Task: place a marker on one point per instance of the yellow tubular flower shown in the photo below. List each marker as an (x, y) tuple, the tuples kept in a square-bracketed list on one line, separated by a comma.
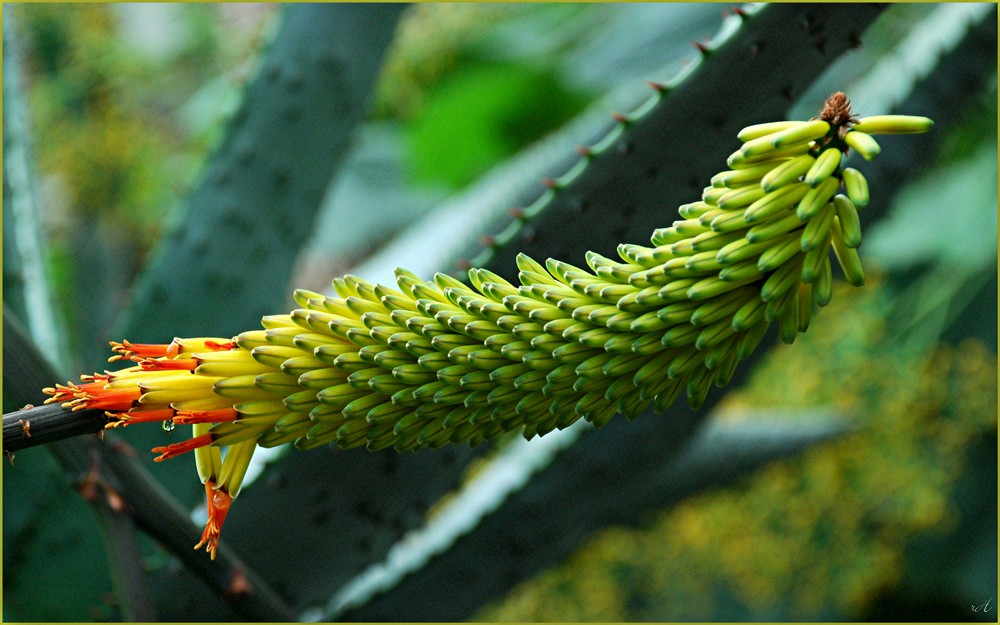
[(425, 364)]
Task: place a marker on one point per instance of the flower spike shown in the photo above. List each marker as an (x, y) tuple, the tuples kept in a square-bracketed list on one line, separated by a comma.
[(429, 363)]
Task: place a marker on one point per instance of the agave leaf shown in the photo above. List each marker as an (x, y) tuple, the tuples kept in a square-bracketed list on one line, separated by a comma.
[(561, 520)]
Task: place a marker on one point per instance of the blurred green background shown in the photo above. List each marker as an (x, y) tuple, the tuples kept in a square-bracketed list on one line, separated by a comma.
[(116, 109)]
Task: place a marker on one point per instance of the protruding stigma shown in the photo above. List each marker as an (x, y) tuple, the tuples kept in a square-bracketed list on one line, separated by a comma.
[(217, 502), (176, 449)]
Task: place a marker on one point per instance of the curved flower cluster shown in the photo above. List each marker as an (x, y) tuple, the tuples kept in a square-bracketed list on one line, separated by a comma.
[(430, 363)]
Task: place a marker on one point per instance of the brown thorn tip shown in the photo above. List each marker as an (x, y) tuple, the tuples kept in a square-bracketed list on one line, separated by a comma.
[(239, 584), (516, 212), (619, 117), (583, 150), (656, 86), (550, 183)]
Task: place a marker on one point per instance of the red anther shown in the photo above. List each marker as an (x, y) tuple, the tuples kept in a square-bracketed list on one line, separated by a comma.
[(176, 449), (220, 347), (217, 502), (188, 417), (181, 364), (140, 416)]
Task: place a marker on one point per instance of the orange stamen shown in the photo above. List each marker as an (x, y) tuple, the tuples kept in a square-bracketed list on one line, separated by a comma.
[(186, 417), (176, 449), (94, 395), (71, 391), (139, 351), (60, 393), (218, 502), (97, 377), (139, 416), (156, 364)]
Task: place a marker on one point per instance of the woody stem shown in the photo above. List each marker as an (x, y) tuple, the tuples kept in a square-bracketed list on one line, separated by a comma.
[(148, 504), (44, 424)]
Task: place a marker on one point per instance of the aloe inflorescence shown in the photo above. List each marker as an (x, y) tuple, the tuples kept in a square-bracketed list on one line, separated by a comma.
[(434, 362)]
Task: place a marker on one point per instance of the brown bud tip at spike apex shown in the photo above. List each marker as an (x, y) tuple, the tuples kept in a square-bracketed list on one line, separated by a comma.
[(837, 112)]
